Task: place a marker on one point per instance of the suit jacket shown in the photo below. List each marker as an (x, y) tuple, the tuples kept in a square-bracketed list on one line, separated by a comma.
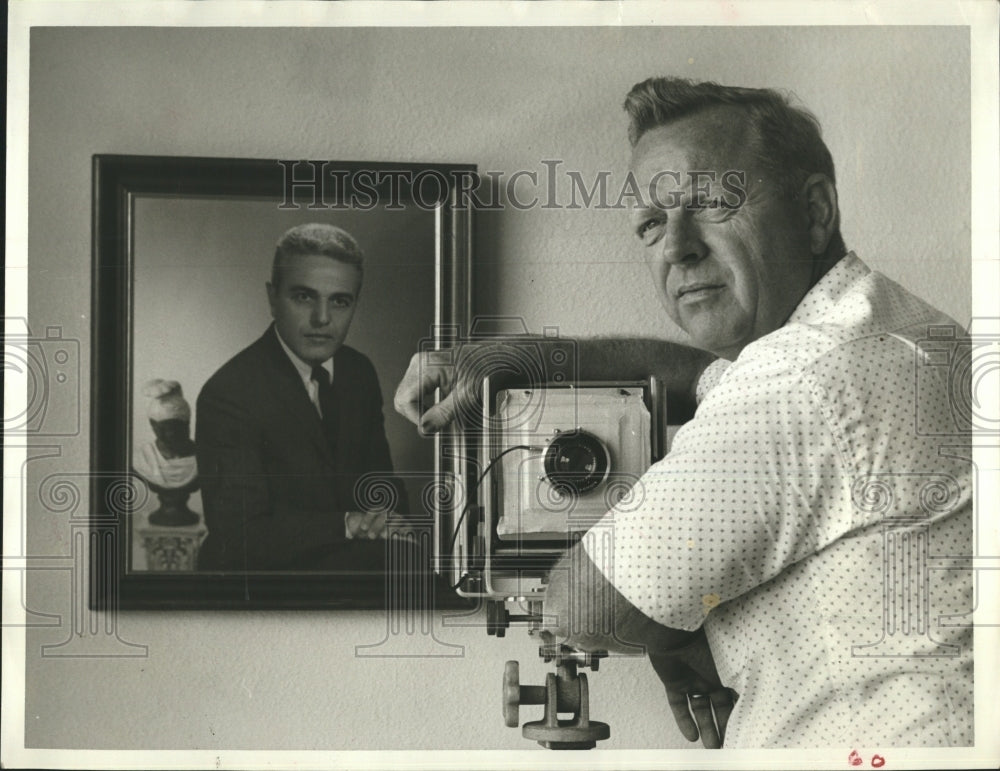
[(274, 489)]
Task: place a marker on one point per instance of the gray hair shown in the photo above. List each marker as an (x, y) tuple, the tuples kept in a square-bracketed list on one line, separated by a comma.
[(786, 139), (316, 238)]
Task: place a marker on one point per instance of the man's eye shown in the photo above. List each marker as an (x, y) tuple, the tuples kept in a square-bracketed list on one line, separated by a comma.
[(716, 213), (647, 230), (300, 297), (341, 302)]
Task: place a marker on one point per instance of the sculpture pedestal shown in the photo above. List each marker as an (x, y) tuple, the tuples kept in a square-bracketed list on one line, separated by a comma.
[(173, 548)]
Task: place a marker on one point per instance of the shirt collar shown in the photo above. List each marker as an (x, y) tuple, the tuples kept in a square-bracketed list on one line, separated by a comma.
[(820, 300), (304, 369)]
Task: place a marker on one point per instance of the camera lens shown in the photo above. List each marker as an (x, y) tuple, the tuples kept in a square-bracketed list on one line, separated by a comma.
[(576, 462)]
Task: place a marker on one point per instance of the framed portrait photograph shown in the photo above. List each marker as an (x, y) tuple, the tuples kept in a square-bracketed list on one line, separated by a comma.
[(251, 320)]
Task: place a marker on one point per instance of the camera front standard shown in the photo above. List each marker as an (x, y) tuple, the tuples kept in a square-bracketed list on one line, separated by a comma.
[(585, 448)]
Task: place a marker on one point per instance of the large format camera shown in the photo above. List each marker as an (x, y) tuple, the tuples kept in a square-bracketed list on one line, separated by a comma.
[(539, 463), (554, 458), (539, 458)]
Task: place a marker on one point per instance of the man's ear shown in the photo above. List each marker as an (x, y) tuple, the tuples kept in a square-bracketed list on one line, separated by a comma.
[(820, 195)]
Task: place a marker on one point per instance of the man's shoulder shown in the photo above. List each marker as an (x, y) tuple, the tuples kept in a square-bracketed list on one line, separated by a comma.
[(863, 345), (849, 314), (245, 367), (869, 359), (350, 360)]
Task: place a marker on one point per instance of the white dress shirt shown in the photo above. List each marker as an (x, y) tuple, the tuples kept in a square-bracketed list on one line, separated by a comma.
[(807, 516), (305, 372)]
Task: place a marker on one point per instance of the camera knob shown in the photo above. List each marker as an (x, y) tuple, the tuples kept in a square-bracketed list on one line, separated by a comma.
[(515, 694), (497, 618), (511, 694)]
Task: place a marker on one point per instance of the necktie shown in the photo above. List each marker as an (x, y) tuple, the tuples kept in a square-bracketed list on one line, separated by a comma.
[(327, 405)]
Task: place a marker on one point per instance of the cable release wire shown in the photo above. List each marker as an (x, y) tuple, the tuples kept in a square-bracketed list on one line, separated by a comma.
[(472, 493)]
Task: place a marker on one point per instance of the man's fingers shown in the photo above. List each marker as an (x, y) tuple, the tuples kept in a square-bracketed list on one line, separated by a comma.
[(701, 708), (675, 678), (410, 399), (438, 416), (351, 522), (682, 715), (425, 373), (373, 523), (722, 703), (408, 409)]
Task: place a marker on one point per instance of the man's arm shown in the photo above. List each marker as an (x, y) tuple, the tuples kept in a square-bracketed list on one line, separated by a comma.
[(459, 373), (584, 610), (677, 366)]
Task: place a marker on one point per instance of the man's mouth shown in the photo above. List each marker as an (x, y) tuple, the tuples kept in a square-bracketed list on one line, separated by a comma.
[(697, 291), (319, 338)]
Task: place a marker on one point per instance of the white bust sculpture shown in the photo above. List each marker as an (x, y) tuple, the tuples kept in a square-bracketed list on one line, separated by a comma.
[(168, 463)]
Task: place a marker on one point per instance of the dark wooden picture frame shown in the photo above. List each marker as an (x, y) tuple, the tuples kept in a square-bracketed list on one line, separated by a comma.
[(307, 188)]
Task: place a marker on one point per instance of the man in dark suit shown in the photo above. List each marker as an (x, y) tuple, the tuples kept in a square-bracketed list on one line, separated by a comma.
[(287, 427)]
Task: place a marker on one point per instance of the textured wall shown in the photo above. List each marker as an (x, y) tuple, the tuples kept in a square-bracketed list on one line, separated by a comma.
[(895, 106)]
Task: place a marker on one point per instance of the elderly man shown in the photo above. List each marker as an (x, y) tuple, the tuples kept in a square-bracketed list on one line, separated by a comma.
[(779, 555), (287, 427)]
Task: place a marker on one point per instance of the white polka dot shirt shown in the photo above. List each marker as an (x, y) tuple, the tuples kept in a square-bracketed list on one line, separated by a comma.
[(807, 517)]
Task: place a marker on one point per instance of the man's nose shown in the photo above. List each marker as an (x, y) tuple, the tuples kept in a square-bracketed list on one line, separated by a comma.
[(681, 242), (320, 315)]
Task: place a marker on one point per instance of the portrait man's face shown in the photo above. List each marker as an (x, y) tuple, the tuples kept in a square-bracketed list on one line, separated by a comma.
[(313, 304), (727, 274)]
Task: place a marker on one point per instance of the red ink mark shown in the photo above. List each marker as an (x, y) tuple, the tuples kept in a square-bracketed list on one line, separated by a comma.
[(877, 761), (854, 758)]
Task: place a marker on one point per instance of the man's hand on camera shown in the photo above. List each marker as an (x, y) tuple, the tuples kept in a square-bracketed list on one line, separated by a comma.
[(458, 372), (456, 375), (414, 399)]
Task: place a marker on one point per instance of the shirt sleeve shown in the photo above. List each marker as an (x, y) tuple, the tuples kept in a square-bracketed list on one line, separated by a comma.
[(754, 483)]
